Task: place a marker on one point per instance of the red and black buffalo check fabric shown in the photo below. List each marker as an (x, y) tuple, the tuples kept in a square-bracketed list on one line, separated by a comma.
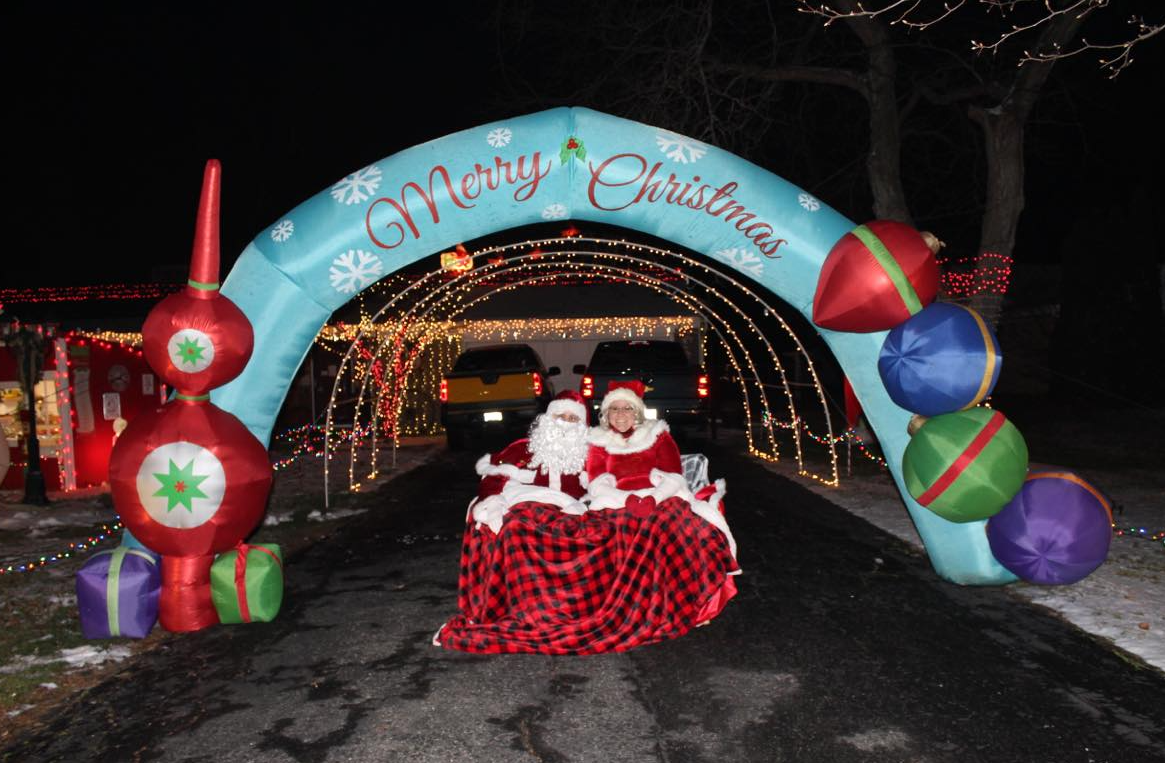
[(606, 581)]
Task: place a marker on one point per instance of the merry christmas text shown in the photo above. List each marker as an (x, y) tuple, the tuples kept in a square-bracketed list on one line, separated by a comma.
[(388, 218), (626, 179)]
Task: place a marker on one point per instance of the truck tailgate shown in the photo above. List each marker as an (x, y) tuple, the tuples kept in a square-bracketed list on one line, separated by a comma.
[(479, 389)]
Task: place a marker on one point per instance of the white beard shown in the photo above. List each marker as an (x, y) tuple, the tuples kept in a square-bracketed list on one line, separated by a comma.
[(559, 447)]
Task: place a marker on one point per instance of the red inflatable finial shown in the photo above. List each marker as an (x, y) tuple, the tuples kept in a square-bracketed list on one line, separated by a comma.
[(203, 281)]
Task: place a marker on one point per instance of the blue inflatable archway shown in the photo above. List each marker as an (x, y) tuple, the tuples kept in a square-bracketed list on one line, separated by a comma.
[(559, 164)]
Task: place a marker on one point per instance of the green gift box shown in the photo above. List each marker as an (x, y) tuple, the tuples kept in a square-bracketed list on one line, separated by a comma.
[(246, 583)]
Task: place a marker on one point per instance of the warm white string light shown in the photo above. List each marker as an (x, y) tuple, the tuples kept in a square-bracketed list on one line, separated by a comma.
[(458, 286)]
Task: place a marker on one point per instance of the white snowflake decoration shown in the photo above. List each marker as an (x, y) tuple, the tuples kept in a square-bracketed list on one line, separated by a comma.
[(282, 231), (742, 259), (679, 148), (554, 212), (499, 137), (808, 202), (358, 186), (354, 270)]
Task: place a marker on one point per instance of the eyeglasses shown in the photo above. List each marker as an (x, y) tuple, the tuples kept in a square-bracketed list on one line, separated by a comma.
[(623, 409), (571, 417)]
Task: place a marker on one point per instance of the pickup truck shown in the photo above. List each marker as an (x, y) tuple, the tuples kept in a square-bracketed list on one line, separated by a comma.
[(676, 390), (498, 388)]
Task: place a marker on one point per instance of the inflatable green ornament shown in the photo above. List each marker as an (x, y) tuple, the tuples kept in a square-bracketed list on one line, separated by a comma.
[(965, 465)]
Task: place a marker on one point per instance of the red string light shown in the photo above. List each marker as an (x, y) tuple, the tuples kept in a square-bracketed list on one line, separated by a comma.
[(986, 273), (27, 296)]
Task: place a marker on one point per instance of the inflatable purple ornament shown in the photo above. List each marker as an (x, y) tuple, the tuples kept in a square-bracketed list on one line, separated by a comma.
[(1055, 531)]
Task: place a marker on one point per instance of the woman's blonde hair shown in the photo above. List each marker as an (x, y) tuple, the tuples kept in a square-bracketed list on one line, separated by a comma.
[(625, 395)]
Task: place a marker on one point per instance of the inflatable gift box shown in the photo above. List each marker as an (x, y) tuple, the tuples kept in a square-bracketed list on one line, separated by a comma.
[(246, 583), (117, 593)]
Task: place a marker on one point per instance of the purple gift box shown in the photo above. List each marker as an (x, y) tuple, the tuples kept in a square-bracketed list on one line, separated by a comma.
[(117, 593)]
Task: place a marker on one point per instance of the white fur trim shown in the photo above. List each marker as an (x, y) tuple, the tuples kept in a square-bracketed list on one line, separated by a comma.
[(624, 394), (491, 510), (486, 468), (641, 439), (567, 406), (514, 493), (604, 496)]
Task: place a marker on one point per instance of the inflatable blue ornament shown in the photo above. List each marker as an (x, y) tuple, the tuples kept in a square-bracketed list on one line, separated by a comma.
[(1055, 531), (943, 359)]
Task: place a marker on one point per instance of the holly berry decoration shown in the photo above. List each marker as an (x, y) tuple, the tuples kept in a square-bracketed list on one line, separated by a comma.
[(875, 277), (572, 146)]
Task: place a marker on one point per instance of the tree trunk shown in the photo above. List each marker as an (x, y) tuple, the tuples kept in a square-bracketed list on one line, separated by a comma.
[(1003, 132), (1003, 135), (884, 162)]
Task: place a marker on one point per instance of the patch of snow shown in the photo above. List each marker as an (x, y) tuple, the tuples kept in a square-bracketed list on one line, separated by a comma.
[(317, 516), (76, 657), (1119, 601), (92, 655), (15, 521), (878, 739)]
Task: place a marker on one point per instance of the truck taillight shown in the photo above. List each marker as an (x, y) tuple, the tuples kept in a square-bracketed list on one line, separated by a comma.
[(587, 386), (702, 385), (537, 379), (444, 391)]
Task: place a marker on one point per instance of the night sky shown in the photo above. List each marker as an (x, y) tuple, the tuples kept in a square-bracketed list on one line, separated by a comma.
[(118, 112), (112, 115)]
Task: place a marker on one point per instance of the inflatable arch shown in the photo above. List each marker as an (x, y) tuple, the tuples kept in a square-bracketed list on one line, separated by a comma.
[(566, 163)]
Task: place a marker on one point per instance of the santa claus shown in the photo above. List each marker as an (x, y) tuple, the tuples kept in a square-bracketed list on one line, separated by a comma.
[(546, 467)]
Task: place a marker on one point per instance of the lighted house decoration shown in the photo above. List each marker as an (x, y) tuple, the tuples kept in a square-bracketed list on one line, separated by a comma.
[(189, 479)]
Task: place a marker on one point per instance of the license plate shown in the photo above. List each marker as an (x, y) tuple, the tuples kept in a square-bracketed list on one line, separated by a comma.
[(650, 414), (492, 415)]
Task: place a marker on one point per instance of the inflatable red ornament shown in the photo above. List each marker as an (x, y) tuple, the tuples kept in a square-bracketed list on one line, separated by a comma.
[(189, 479), (875, 277), (201, 339)]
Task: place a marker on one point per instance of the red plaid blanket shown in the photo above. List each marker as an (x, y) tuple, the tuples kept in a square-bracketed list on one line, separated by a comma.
[(552, 583)]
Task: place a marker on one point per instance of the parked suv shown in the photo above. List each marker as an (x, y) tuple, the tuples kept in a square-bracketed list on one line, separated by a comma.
[(676, 389), (499, 387)]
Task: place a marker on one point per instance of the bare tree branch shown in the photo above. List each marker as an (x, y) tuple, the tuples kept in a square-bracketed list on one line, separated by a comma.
[(917, 15)]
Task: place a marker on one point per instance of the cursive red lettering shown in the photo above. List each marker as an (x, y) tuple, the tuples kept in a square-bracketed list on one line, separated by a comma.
[(599, 181), (533, 176)]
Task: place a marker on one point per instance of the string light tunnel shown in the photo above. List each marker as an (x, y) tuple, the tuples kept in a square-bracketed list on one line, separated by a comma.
[(518, 284), (608, 274), (767, 417), (420, 315)]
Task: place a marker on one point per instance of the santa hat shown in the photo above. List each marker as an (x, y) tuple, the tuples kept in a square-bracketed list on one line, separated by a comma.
[(569, 401), (629, 391)]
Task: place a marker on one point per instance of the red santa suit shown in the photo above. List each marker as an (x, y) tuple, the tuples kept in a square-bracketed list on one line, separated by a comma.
[(556, 576), (631, 458), (507, 479), (516, 475), (642, 470)]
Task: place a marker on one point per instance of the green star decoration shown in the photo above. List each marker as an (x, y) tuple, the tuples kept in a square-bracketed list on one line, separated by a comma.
[(190, 351), (180, 486)]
